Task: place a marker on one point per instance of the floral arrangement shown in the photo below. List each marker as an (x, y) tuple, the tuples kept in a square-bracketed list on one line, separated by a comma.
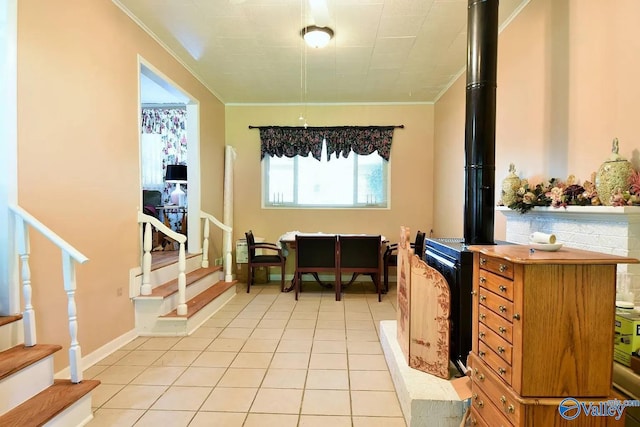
[(557, 193)]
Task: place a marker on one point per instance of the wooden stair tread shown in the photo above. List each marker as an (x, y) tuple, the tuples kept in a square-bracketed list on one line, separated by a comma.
[(166, 258), (171, 287), (5, 320), (19, 357), (47, 404), (198, 302)]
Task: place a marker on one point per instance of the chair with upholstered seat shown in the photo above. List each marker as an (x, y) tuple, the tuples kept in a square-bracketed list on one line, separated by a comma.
[(316, 254), (361, 254), (390, 257), (269, 259)]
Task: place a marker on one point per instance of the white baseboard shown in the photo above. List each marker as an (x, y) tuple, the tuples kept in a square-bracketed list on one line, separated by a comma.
[(100, 353)]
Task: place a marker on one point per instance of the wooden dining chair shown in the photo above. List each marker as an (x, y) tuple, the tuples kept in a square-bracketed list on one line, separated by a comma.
[(316, 254), (269, 259), (361, 254)]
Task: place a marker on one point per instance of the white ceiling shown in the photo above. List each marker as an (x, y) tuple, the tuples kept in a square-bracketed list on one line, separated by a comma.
[(250, 51)]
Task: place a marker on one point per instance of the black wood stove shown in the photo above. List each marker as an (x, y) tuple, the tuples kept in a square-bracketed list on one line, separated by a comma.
[(449, 255)]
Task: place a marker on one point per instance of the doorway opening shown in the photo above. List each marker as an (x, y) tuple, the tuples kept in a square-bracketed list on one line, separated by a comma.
[(169, 136)]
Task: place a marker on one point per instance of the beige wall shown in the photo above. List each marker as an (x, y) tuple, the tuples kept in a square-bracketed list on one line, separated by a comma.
[(411, 170), (567, 74), (78, 162)]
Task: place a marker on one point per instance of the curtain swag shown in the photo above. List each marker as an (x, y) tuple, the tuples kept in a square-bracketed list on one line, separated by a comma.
[(341, 140)]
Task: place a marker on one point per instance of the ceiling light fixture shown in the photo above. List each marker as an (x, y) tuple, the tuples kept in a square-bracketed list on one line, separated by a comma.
[(316, 37)]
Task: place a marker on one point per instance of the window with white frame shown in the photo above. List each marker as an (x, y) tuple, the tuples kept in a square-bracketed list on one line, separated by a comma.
[(357, 181)]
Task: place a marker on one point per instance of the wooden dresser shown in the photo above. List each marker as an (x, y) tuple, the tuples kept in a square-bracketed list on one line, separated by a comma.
[(542, 332)]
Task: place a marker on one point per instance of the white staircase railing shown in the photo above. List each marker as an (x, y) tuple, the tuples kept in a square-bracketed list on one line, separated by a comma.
[(147, 221), (70, 256), (227, 244)]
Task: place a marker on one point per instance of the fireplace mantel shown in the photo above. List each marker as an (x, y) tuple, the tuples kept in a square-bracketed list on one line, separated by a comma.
[(590, 213), (606, 229)]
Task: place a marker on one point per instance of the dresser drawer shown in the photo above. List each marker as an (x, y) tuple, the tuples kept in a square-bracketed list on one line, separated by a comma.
[(496, 303), (483, 405), (499, 266), (475, 420), (495, 362), (496, 284), (496, 390), (497, 343), (498, 324)]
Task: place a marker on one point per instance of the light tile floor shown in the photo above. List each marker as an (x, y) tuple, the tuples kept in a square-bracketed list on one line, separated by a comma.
[(262, 360)]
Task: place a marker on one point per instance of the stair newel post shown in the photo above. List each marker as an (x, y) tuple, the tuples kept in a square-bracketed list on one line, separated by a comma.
[(205, 244), (145, 289), (182, 282), (75, 353), (228, 275)]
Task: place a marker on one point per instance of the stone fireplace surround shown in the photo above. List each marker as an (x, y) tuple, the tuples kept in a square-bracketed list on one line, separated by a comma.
[(606, 229)]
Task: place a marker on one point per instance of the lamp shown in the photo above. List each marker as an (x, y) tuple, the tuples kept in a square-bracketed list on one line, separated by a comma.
[(177, 174), (315, 36)]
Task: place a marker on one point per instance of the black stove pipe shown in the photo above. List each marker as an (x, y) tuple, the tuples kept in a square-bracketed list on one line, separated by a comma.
[(480, 121)]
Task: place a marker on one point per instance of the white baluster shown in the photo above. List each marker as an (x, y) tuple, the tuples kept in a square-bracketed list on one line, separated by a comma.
[(75, 353), (205, 244), (182, 282), (145, 289), (29, 315), (228, 274)]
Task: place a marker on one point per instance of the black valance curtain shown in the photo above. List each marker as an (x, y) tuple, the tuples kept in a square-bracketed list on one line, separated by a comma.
[(300, 141)]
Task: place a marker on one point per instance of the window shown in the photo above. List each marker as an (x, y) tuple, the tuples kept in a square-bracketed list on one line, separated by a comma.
[(356, 181)]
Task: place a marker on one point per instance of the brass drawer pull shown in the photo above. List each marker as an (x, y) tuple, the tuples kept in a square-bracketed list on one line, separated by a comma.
[(481, 353), (502, 268), (502, 288), (481, 335), (483, 261), (502, 371), (478, 375), (482, 316), (483, 298), (500, 349), (503, 400), (502, 329), (473, 421), (473, 293), (502, 309), (480, 403), (510, 409), (483, 279), (516, 316)]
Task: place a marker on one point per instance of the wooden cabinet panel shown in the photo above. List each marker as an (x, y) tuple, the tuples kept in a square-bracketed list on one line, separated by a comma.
[(569, 308)]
